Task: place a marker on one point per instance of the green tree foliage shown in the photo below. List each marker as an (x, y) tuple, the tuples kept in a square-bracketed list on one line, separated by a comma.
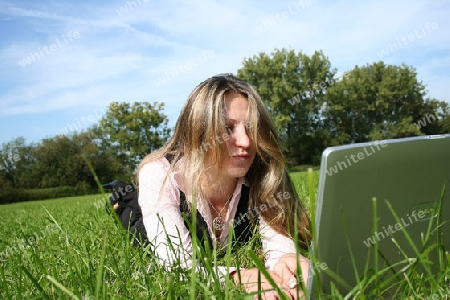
[(433, 116), (66, 161), (16, 163), (57, 161), (445, 123), (293, 86), (133, 131), (405, 128), (378, 101), (112, 149), (312, 109)]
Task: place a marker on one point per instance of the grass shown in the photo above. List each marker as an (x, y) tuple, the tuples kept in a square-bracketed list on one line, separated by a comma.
[(69, 248)]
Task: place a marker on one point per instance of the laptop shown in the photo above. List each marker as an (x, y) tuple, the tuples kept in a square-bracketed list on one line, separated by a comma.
[(407, 173)]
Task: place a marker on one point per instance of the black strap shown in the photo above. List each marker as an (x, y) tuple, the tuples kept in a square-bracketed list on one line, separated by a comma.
[(243, 228), (202, 227)]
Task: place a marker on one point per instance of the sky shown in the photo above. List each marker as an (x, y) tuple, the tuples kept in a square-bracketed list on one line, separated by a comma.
[(63, 62)]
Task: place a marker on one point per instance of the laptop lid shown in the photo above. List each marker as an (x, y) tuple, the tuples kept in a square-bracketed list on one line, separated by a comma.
[(410, 174)]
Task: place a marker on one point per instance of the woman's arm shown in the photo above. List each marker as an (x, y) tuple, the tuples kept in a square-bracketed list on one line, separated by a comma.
[(161, 215), (253, 281), (281, 262), (282, 257)]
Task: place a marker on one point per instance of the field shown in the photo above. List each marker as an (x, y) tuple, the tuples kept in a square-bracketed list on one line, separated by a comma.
[(70, 248)]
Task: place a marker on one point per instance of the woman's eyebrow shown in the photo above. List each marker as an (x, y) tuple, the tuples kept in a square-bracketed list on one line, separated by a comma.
[(232, 120)]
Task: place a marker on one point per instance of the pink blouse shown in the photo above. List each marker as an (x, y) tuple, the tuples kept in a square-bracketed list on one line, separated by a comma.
[(163, 220)]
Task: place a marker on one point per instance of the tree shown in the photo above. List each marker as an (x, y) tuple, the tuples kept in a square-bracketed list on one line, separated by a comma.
[(445, 123), (405, 128), (59, 162), (293, 87), (66, 160), (105, 165), (376, 101), (16, 162), (133, 131), (125, 134), (432, 117)]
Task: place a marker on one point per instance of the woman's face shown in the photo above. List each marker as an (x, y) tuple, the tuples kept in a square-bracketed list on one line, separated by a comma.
[(242, 149)]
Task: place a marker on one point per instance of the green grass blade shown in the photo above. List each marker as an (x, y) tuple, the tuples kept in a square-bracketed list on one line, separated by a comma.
[(410, 241), (352, 257), (375, 229), (312, 195), (263, 270), (35, 282), (193, 278), (62, 288), (441, 253), (99, 286)]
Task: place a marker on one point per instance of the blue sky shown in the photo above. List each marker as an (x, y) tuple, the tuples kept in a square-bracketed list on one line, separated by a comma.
[(63, 62)]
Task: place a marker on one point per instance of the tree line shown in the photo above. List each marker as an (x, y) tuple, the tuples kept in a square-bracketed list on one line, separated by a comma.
[(311, 106), (76, 162)]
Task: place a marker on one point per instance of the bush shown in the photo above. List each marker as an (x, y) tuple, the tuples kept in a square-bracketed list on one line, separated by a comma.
[(11, 195), (303, 168)]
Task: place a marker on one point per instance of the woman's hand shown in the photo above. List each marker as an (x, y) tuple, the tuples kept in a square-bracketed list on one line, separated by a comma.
[(286, 269), (249, 280)]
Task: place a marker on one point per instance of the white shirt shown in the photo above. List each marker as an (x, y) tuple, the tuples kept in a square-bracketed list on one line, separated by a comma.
[(164, 223)]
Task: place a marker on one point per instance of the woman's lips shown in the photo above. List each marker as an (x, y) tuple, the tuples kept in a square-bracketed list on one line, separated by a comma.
[(241, 156)]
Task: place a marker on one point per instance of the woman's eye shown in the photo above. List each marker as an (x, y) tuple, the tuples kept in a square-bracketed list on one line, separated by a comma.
[(229, 128)]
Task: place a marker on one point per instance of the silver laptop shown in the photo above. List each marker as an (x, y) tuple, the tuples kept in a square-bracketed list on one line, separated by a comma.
[(348, 245)]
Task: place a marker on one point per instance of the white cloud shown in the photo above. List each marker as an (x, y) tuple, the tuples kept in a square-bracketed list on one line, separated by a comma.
[(121, 57)]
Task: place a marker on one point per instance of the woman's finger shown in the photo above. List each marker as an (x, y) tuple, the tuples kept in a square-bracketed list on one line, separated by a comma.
[(284, 272)]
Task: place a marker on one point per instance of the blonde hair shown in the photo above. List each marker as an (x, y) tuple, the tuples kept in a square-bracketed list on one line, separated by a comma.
[(203, 118)]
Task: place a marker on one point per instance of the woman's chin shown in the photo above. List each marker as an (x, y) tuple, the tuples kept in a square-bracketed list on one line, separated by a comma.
[(237, 172)]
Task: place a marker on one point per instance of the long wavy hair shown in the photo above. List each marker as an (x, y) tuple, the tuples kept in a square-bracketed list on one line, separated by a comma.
[(203, 119)]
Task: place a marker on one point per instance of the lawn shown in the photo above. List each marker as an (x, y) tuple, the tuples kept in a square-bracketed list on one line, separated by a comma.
[(70, 248)]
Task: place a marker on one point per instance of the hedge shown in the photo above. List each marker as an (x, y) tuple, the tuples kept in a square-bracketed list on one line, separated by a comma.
[(20, 195)]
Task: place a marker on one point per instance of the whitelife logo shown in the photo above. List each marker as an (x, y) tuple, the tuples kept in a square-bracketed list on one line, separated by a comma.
[(33, 57), (341, 165), (416, 35), (180, 69), (393, 229)]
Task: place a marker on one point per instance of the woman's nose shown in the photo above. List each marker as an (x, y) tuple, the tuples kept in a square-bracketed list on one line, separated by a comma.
[(241, 137)]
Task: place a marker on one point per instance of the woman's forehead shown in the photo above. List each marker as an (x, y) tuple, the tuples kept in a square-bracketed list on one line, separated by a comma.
[(236, 106)]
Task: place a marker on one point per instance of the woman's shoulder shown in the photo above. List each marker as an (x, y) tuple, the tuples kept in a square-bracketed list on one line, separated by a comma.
[(159, 166)]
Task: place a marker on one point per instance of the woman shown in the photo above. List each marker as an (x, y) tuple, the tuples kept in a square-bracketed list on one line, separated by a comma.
[(224, 159)]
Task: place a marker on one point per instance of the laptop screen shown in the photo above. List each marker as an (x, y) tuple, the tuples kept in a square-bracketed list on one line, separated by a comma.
[(401, 181)]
